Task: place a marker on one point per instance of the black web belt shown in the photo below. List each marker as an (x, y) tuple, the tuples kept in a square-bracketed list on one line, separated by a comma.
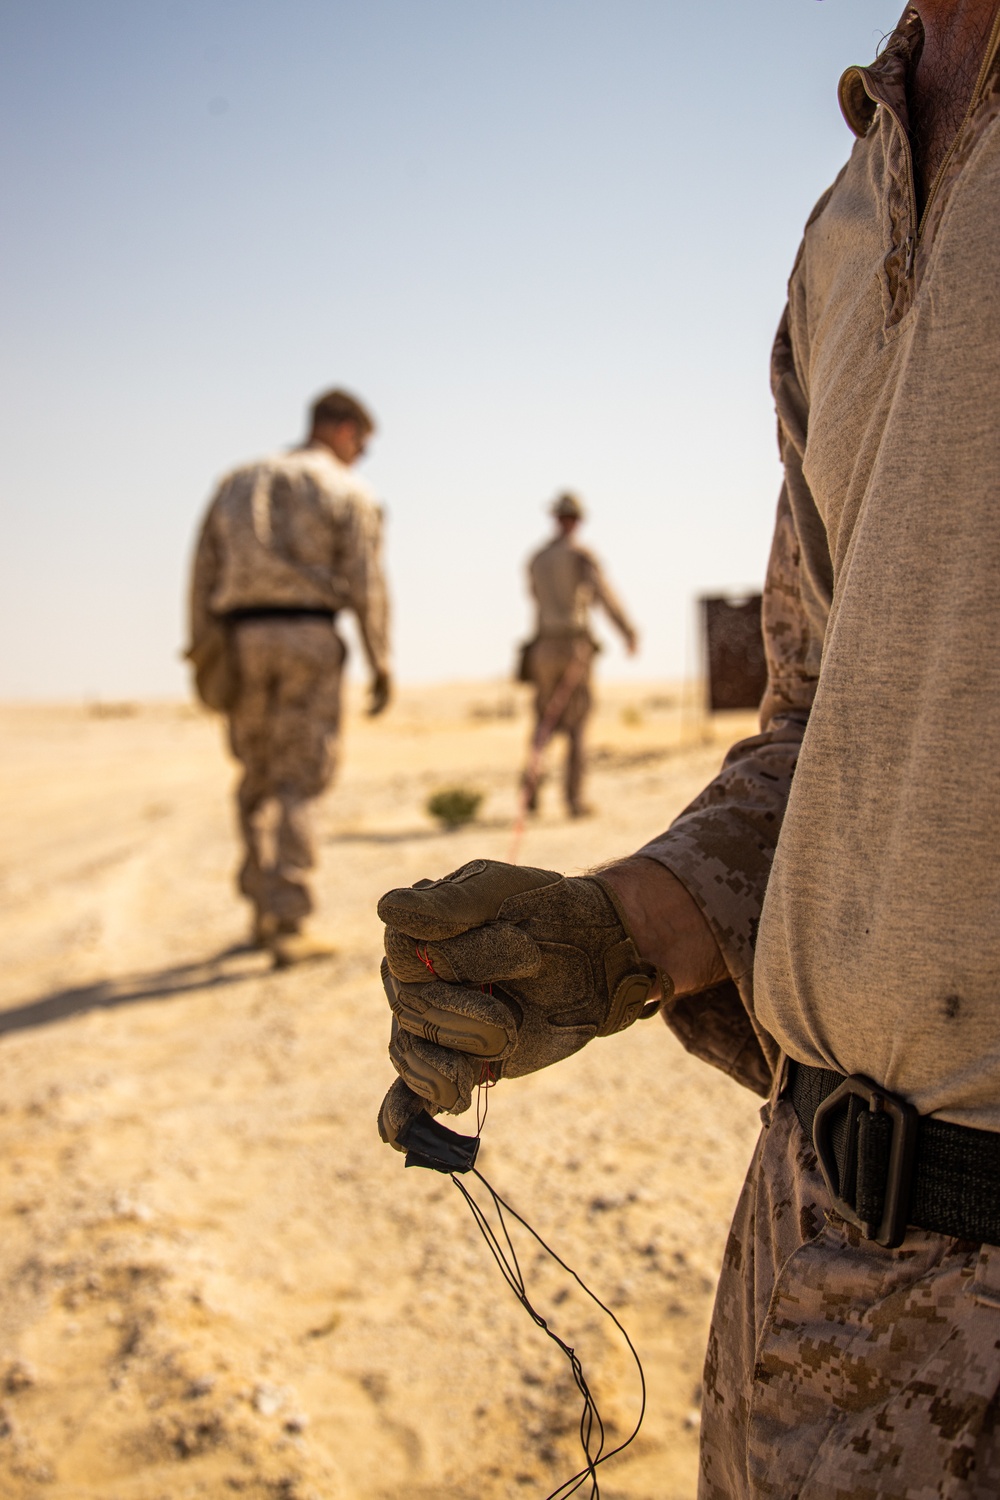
[(279, 612), (887, 1167)]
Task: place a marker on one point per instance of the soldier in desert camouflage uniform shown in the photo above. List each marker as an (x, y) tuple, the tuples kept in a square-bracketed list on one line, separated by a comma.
[(855, 1347), (566, 582), (288, 542)]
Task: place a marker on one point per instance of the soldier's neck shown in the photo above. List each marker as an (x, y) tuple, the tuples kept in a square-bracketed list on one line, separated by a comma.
[(315, 441), (955, 37)]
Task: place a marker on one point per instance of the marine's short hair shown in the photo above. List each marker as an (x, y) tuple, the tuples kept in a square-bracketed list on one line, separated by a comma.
[(341, 406), (567, 506)]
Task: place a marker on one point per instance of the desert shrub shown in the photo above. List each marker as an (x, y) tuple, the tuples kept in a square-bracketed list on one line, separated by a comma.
[(454, 805)]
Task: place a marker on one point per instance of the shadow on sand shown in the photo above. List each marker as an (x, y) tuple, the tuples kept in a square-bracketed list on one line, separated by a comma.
[(206, 973), (413, 835), (390, 836)]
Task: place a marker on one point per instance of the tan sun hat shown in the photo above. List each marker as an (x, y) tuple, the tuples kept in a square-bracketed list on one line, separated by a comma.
[(567, 505)]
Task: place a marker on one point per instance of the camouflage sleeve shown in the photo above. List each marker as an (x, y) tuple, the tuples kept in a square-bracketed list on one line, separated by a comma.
[(204, 575), (722, 845), (359, 568), (605, 595)]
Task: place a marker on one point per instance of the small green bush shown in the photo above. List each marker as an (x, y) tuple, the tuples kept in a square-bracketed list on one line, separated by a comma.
[(454, 805)]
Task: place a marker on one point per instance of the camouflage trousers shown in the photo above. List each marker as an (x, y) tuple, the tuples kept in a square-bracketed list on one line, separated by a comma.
[(283, 730), (560, 668), (836, 1369)]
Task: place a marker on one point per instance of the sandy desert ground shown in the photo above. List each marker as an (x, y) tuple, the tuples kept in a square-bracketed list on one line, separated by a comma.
[(216, 1280)]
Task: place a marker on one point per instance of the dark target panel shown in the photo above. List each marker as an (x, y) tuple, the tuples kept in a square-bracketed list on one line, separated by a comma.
[(734, 651)]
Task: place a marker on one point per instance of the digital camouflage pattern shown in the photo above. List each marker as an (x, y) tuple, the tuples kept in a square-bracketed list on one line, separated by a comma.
[(283, 730), (889, 409), (722, 845), (839, 1370), (295, 530)]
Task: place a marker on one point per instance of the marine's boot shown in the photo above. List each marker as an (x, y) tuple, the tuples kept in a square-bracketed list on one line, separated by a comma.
[(530, 787), (291, 948), (264, 929)]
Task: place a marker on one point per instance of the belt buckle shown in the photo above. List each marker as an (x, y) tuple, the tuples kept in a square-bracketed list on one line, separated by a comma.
[(855, 1090)]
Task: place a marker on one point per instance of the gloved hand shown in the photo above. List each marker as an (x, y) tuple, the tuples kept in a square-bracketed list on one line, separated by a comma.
[(498, 970), (379, 693)]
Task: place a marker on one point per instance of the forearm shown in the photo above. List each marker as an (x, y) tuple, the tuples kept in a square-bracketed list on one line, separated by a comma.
[(370, 601), (666, 924), (375, 643), (611, 604)]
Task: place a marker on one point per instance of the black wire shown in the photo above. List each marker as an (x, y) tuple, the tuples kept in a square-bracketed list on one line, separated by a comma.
[(510, 1269), (513, 1275)]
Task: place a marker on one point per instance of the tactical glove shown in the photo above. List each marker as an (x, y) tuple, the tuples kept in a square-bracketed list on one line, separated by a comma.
[(496, 971)]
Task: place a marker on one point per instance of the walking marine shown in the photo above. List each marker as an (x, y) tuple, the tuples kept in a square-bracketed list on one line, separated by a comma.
[(566, 581), (287, 543), (821, 922)]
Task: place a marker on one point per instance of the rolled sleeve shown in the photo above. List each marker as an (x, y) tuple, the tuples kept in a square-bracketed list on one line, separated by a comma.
[(722, 845), (360, 569)]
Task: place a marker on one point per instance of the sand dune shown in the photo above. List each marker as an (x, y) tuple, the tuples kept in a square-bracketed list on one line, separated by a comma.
[(216, 1280)]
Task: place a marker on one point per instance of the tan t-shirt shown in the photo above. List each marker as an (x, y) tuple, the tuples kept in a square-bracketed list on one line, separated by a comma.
[(878, 949), (567, 581)]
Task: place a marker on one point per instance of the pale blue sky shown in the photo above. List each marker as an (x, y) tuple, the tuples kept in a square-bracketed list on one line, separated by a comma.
[(547, 240)]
